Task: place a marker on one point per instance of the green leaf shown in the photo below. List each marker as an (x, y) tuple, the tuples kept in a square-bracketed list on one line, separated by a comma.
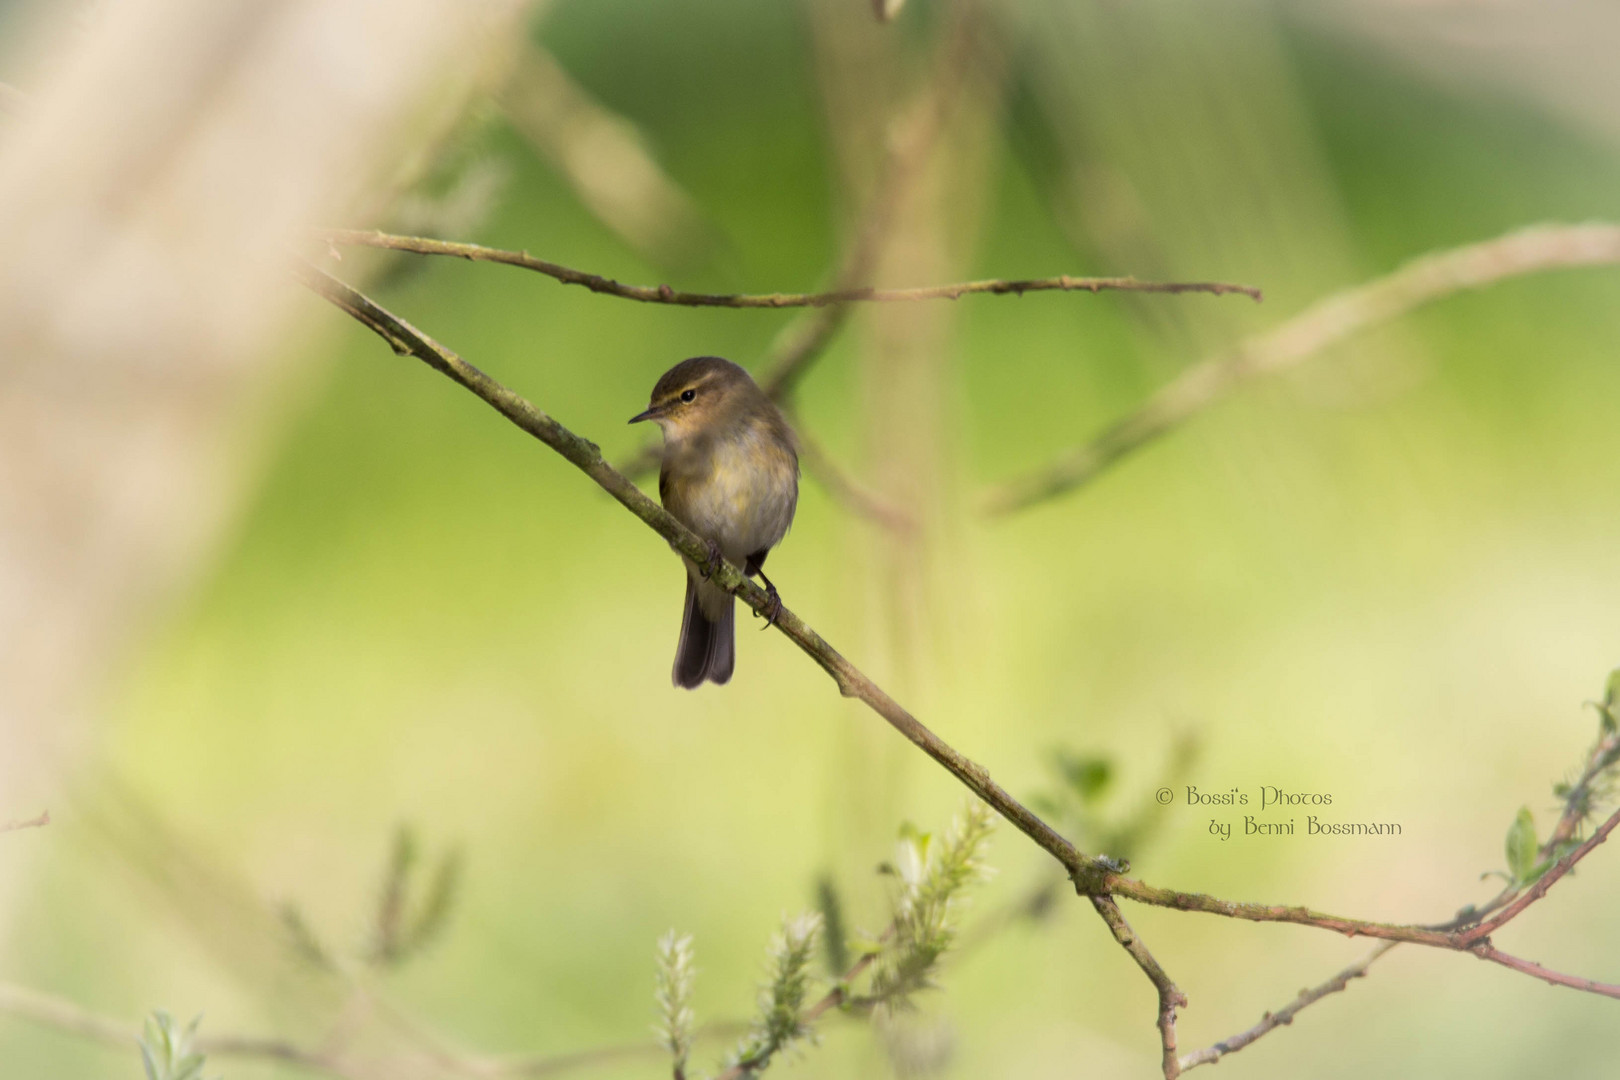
[(1521, 846), (1087, 777)]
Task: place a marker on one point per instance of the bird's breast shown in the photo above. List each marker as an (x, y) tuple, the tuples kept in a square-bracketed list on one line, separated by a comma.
[(739, 491)]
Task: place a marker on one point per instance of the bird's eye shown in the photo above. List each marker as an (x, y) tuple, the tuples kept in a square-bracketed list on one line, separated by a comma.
[(688, 395)]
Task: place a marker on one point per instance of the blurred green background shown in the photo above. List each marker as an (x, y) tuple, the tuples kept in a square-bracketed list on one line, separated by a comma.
[(1392, 576)]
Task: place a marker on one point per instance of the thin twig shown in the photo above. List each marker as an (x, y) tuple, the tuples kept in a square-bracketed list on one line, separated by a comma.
[(1285, 1015), (1118, 885), (663, 294), (1536, 971), (31, 823), (1323, 324), (1170, 996), (1542, 884)]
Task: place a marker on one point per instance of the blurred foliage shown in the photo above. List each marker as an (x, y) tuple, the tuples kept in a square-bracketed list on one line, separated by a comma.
[(166, 1049), (409, 914), (931, 878), (781, 1022)]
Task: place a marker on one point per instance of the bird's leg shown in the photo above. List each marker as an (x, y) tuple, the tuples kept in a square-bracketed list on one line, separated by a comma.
[(774, 608), (711, 565)]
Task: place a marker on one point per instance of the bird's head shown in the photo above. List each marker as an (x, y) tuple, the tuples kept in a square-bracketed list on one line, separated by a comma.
[(698, 394)]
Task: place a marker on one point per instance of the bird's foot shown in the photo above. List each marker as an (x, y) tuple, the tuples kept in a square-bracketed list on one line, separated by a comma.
[(773, 610), (711, 565)]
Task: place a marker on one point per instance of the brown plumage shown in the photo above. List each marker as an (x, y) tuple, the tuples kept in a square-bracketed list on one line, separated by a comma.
[(731, 475)]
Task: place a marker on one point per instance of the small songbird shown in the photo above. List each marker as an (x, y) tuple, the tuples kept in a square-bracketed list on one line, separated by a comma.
[(731, 475)]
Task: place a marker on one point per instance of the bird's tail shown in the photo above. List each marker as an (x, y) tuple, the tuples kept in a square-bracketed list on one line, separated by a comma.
[(708, 639)]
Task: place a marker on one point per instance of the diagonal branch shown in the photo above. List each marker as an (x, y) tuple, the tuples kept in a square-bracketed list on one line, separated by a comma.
[(1170, 996), (1119, 885), (406, 340), (1536, 971), (663, 294), (1271, 1021), (1322, 325)]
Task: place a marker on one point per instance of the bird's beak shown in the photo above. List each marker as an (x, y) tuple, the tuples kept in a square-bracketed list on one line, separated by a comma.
[(649, 414)]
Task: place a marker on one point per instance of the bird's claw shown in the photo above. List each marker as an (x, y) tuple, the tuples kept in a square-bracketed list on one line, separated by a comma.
[(773, 609)]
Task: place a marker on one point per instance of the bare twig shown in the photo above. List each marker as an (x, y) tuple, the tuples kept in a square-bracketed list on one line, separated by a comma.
[(1323, 324), (1119, 885), (1536, 971), (1285, 1015), (1170, 996), (663, 294), (31, 823)]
